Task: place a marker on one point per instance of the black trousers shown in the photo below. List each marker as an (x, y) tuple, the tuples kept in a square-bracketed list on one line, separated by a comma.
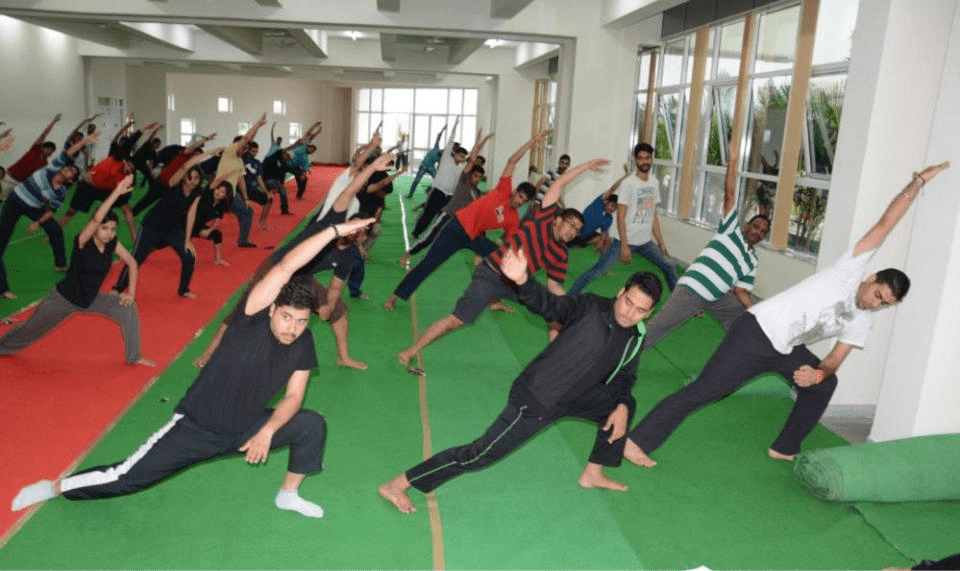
[(180, 444), (155, 190), (436, 200), (515, 425), (150, 239), (744, 353)]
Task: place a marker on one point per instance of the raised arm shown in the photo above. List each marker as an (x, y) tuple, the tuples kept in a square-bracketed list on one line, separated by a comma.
[(361, 157), (266, 290), (436, 144), (123, 188), (475, 151), (453, 131), (356, 183), (84, 122), (613, 187), (557, 187), (250, 134), (47, 129), (730, 182), (539, 299), (518, 154), (199, 142), (78, 146), (192, 162), (897, 208)]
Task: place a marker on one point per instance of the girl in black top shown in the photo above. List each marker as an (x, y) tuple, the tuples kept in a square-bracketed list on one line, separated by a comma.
[(80, 289), (213, 204)]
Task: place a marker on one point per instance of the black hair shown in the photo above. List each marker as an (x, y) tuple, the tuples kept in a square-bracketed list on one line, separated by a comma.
[(253, 144), (642, 147), (457, 149), (647, 283), (237, 138), (527, 189), (299, 293), (898, 282), (564, 156), (481, 160), (228, 186), (311, 145), (110, 217), (763, 216), (49, 145), (478, 169), (192, 169), (570, 214), (612, 198)]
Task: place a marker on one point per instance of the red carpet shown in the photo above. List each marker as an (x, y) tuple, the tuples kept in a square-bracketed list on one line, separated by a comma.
[(62, 393)]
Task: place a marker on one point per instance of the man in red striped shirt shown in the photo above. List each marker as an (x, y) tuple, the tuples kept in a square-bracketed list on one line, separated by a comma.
[(543, 241)]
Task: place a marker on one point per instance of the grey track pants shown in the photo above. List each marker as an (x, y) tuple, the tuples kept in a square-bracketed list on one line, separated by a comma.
[(682, 305), (55, 309)]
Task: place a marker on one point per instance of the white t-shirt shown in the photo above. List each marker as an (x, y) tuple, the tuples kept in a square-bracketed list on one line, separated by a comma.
[(339, 185), (820, 307), (641, 198), (448, 172)]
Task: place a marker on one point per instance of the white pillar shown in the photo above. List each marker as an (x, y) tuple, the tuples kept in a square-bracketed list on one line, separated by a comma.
[(920, 393)]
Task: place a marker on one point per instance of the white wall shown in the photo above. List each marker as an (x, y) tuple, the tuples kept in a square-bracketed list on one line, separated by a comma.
[(31, 98), (306, 101)]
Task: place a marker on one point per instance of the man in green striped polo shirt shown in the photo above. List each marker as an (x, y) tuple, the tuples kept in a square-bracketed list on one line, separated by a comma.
[(722, 275)]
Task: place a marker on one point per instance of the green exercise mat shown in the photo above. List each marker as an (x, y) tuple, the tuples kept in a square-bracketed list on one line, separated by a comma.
[(925, 468)]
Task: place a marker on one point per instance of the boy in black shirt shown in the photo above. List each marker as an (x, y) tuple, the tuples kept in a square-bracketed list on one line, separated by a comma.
[(224, 411)]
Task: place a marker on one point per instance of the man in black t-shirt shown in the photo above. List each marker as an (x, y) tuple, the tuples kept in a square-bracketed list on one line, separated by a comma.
[(266, 348)]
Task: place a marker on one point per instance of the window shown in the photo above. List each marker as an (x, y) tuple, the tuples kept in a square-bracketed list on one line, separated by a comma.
[(295, 132), (771, 62), (188, 130), (279, 107), (243, 127), (224, 105), (171, 102), (417, 114)]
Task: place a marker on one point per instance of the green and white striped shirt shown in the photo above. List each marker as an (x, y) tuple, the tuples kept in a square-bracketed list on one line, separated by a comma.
[(726, 261)]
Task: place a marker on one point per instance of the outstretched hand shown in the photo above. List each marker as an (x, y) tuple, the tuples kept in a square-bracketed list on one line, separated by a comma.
[(381, 162), (597, 164), (125, 185), (514, 266), (931, 171), (351, 227)]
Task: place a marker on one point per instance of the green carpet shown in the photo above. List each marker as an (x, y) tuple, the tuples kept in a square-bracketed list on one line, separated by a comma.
[(715, 499)]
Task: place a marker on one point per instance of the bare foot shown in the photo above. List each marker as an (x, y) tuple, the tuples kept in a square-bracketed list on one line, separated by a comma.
[(221, 262), (60, 269), (200, 362), (352, 364), (8, 295), (498, 305), (395, 492), (360, 296), (145, 362), (404, 260), (635, 454), (189, 295), (388, 305), (593, 477), (778, 456)]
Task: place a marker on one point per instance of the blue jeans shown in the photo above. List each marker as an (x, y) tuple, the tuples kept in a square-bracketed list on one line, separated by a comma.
[(357, 273), (244, 218), (650, 251)]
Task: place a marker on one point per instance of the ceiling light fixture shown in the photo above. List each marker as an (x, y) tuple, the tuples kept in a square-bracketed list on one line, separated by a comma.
[(352, 34)]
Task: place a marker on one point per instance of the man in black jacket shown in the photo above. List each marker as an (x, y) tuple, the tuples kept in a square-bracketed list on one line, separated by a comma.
[(587, 372)]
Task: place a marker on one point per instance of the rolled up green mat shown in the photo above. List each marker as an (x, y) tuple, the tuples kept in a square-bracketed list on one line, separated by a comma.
[(924, 468)]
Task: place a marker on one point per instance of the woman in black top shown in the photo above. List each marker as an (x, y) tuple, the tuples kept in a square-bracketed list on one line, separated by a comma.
[(213, 204), (80, 289), (170, 223)]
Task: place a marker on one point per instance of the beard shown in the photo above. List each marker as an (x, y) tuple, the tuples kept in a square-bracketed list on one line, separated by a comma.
[(644, 168)]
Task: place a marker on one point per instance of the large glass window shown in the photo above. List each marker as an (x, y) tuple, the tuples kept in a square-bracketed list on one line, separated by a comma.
[(417, 113), (771, 60)]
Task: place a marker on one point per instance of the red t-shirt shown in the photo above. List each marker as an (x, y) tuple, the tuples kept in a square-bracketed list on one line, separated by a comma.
[(107, 174), (490, 211), (173, 166), (32, 160)]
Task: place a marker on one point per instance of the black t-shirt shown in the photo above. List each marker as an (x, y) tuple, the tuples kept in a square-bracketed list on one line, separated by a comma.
[(244, 374), (313, 227), (88, 268), (170, 212), (274, 168), (166, 154), (341, 261), (208, 210)]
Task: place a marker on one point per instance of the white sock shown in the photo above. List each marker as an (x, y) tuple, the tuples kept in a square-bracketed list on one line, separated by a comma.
[(291, 500), (33, 494)]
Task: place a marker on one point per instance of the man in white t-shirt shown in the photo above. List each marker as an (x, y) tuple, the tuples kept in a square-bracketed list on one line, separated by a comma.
[(448, 173), (773, 336), (637, 225)]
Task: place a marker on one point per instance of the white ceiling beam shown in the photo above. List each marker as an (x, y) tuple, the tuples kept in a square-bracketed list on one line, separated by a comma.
[(104, 33), (507, 9), (176, 36), (388, 5), (246, 39), (314, 41), (270, 3), (388, 47), (461, 49)]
